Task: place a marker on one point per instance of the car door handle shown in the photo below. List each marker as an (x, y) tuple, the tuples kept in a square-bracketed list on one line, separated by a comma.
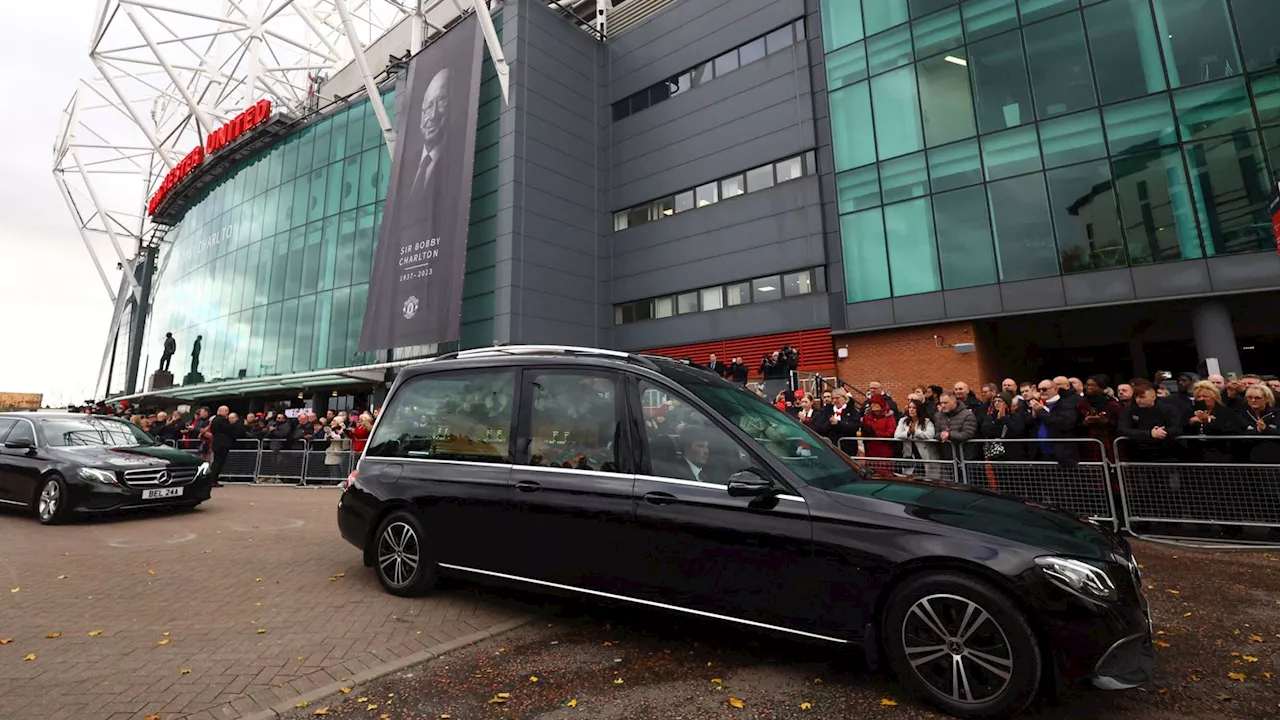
[(659, 498), (528, 486)]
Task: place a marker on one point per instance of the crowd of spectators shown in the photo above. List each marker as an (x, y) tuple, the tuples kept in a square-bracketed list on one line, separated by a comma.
[(1160, 424)]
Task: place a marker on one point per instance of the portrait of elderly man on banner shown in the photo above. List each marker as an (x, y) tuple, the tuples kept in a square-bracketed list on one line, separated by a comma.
[(415, 291)]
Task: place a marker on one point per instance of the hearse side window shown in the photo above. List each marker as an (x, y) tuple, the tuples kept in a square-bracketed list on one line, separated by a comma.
[(5, 425), (461, 416), (21, 430), (573, 420), (683, 442)]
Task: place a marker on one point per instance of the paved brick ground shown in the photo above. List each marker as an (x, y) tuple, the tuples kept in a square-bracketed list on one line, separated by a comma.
[(238, 593)]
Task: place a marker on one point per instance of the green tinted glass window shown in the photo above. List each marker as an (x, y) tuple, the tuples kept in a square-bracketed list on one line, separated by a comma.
[(954, 166), (913, 261), (285, 356), (346, 248), (1085, 218), (338, 136), (1001, 92), (303, 340), (846, 66), (851, 127), (1156, 206), (883, 14), (1197, 40), (984, 18), (937, 33), (965, 250), (1230, 186), (946, 102), (1266, 97), (350, 182), (1061, 80), (1256, 23), (370, 176), (320, 333), (338, 328), (889, 50), (271, 340), (301, 198), (1215, 109), (858, 189), (296, 258), (841, 23), (365, 236), (279, 267), (904, 178), (896, 106), (1023, 231), (306, 150), (866, 260), (1012, 152), (1140, 125), (1126, 53), (1072, 139), (315, 196), (333, 189), (1033, 10)]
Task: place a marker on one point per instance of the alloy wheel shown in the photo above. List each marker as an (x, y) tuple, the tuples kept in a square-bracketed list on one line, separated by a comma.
[(50, 498), (398, 554), (957, 648)]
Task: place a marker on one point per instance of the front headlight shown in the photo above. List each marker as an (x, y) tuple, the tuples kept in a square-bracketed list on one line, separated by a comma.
[(105, 477), (1078, 577), (203, 469)]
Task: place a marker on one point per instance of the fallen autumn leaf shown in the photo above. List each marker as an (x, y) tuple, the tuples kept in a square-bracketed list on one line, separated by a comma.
[(344, 690), (5, 641), (735, 702), (53, 636), (184, 671), (29, 657), (618, 681), (371, 706), (806, 705), (150, 571), (261, 631), (1239, 677), (62, 577), (886, 702), (533, 678), (302, 704), (95, 633), (1250, 659), (571, 703), (165, 641), (321, 711)]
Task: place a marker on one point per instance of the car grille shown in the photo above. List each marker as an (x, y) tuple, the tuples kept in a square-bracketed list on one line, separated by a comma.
[(1123, 658), (151, 477)]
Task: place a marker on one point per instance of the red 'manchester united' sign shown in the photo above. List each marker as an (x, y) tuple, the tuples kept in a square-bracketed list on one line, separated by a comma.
[(255, 115)]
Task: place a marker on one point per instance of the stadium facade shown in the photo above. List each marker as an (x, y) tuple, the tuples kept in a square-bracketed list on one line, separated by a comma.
[(986, 187)]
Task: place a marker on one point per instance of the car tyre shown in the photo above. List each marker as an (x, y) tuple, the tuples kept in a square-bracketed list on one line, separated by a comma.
[(52, 501), (403, 564), (962, 644)]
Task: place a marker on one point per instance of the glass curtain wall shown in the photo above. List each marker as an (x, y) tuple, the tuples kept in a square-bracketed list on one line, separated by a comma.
[(271, 268), (994, 141)]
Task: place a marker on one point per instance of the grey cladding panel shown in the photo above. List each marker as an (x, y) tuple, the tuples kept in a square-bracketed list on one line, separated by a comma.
[(866, 315), (972, 302), (1190, 277), (799, 313), (688, 33), (780, 200), (919, 308), (1245, 272), (764, 260), (1098, 287), (1032, 294)]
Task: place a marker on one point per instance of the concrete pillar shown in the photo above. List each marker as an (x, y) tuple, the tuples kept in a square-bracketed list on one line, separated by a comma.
[(1215, 336), (1138, 353), (319, 402)]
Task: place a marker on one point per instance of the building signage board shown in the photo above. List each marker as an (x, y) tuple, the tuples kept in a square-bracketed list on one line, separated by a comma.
[(253, 116), (20, 401), (415, 291)]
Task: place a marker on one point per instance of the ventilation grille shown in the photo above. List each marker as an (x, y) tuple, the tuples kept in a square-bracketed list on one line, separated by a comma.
[(634, 12)]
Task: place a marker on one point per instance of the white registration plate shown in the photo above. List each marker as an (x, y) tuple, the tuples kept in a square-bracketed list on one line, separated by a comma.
[(158, 493)]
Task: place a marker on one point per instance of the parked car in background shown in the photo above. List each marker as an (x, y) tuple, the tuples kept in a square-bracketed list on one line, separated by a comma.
[(60, 465)]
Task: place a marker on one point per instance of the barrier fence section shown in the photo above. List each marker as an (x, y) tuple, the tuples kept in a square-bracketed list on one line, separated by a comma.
[(1230, 483), (314, 463), (900, 456), (1077, 480)]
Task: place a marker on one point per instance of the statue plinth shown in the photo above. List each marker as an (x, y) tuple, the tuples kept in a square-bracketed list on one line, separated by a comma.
[(160, 380), (192, 378)]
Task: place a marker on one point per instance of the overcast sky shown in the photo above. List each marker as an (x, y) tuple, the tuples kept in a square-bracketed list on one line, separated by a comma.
[(57, 312)]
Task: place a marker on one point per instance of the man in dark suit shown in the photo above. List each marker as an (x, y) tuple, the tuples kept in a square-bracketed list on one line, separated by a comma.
[(837, 420), (222, 438), (1055, 416), (695, 462), (717, 367)]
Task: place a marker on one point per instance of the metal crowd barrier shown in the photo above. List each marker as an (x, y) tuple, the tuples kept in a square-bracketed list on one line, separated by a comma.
[(1082, 487), (1232, 491), (934, 462), (253, 461)]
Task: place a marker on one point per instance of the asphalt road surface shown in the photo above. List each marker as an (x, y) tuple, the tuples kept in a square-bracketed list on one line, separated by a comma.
[(1217, 617)]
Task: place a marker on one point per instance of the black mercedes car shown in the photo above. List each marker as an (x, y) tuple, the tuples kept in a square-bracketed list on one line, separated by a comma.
[(640, 480), (60, 465)]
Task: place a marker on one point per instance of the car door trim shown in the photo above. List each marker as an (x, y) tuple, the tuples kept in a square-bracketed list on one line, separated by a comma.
[(433, 461), (694, 483), (596, 473), (649, 603), (14, 502)]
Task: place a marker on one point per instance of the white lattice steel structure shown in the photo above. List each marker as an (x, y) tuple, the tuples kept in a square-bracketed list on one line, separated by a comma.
[(168, 72)]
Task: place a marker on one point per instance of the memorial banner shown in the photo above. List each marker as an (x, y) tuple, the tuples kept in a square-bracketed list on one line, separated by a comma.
[(415, 291)]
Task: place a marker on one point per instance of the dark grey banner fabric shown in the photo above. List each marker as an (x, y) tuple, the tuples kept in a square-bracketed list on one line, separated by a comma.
[(415, 291)]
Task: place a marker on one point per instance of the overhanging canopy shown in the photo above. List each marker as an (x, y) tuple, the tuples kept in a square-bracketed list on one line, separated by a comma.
[(336, 377)]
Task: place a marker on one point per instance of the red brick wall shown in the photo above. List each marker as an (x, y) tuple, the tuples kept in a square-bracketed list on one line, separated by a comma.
[(906, 357)]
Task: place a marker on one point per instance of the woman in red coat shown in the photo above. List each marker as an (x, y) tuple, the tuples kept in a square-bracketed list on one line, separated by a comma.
[(360, 433), (878, 423)]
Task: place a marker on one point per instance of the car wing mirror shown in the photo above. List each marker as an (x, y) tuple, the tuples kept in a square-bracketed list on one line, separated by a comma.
[(24, 444), (748, 483)]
